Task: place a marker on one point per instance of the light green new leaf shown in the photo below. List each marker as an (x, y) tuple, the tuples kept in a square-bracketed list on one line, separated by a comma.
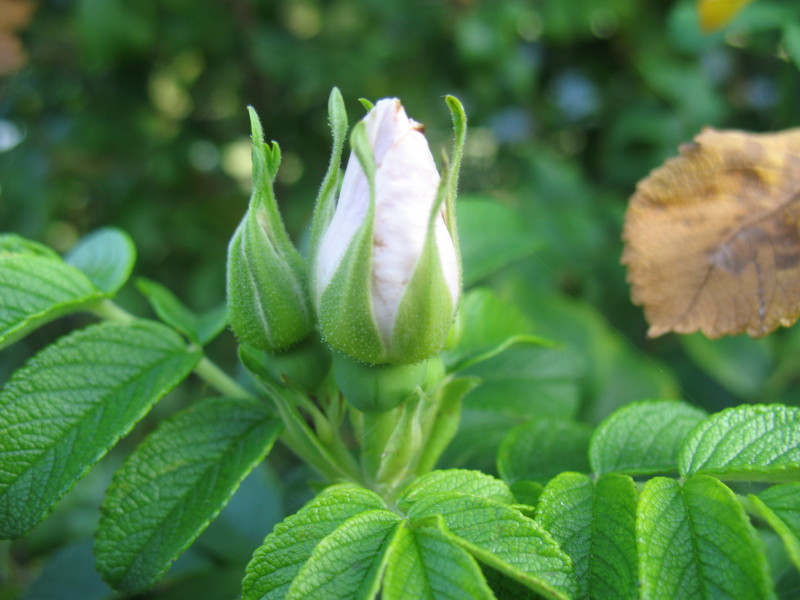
[(424, 563), (595, 523), (542, 448), (106, 256), (504, 539), (461, 481), (696, 542), (752, 443), (70, 404), (174, 484), (779, 505), (348, 563), (35, 289), (278, 560), (791, 41), (643, 438), (201, 329)]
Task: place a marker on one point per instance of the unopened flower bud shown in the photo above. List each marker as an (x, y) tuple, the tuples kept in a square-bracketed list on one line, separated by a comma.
[(268, 301), (387, 274)]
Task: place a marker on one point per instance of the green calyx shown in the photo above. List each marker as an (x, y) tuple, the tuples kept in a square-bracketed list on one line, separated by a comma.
[(267, 279), (376, 388)]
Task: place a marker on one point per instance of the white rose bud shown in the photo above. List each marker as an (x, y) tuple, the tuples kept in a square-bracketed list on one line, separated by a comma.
[(387, 274)]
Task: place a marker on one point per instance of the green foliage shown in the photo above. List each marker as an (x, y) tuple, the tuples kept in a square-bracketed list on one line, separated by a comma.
[(37, 289), (542, 448), (780, 507), (200, 329), (755, 443), (71, 403), (695, 541), (643, 438), (594, 522), (106, 256), (174, 484)]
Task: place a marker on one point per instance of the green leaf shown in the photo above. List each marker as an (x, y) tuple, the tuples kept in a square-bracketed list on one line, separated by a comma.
[(70, 404), (595, 524), (492, 235), (424, 563), (348, 563), (106, 256), (201, 329), (542, 448), (489, 325), (502, 538), (174, 484), (696, 542), (35, 289), (779, 506), (471, 483), (643, 438), (11, 243), (753, 443), (279, 559)]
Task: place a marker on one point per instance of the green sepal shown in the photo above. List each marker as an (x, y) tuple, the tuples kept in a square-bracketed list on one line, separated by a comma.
[(427, 309), (326, 205), (267, 279), (460, 129), (345, 307), (368, 106)]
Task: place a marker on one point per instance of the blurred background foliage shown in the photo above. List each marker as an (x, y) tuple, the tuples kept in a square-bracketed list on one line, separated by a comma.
[(132, 114)]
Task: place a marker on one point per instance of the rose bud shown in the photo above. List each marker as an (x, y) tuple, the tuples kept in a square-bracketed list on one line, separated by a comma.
[(387, 272), (268, 302)]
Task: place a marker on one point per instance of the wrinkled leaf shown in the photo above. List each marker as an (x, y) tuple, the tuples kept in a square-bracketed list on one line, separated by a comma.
[(696, 542), (754, 443), (504, 539), (471, 483), (595, 524), (70, 404), (425, 563), (36, 288), (174, 484), (643, 438), (284, 552), (711, 237)]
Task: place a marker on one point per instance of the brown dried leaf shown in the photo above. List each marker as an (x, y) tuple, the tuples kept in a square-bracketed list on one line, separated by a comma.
[(711, 237)]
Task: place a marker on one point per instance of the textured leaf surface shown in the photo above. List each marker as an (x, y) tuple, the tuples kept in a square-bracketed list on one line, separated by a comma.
[(70, 404), (106, 256), (347, 564), (542, 448), (504, 539), (780, 507), (755, 443), (461, 481), (596, 525), (35, 289), (711, 242), (424, 563), (276, 563), (174, 483), (643, 438), (696, 542)]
